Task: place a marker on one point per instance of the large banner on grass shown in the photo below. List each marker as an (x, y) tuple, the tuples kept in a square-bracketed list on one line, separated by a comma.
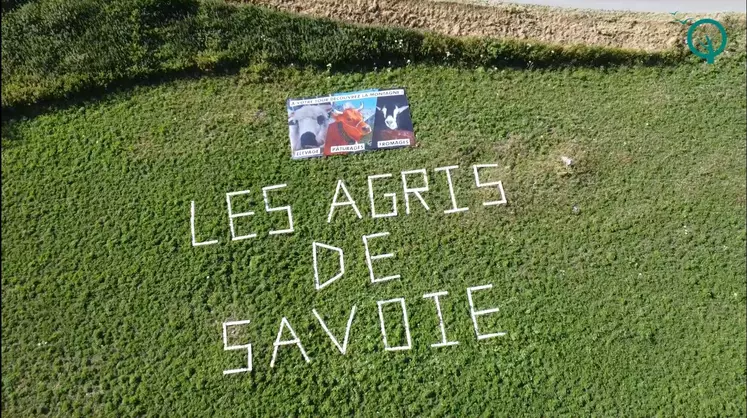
[(345, 123)]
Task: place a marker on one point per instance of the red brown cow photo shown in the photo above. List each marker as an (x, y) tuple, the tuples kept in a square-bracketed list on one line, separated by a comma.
[(349, 128)]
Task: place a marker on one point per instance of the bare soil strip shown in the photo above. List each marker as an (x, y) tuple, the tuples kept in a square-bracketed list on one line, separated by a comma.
[(643, 31)]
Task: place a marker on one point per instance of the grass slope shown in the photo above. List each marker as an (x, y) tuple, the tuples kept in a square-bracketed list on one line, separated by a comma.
[(56, 49), (633, 306)]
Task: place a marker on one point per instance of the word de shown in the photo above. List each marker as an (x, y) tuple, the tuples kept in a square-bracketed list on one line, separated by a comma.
[(343, 348), (341, 260)]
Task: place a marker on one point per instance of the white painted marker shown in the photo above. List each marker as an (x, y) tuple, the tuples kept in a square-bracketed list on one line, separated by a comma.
[(320, 286), (192, 228), (444, 342), (350, 201), (370, 259), (344, 347), (285, 208), (227, 347), (383, 327), (495, 183), (232, 216), (454, 207), (393, 196), (416, 190), (284, 323), (474, 314)]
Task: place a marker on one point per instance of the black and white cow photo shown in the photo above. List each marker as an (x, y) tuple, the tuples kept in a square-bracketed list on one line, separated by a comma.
[(308, 126)]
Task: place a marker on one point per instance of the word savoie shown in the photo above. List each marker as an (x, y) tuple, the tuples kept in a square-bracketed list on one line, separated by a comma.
[(342, 348), (409, 193)]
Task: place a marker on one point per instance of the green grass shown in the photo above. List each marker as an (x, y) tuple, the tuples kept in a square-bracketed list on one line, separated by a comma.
[(634, 306), (57, 49)]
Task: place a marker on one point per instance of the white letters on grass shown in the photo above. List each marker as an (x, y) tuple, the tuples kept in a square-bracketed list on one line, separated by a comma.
[(454, 207), (232, 216), (495, 183), (192, 228), (335, 203), (393, 196), (443, 342), (475, 313), (370, 259), (340, 199), (277, 344), (387, 347), (285, 208), (320, 286), (226, 347), (415, 190), (344, 347)]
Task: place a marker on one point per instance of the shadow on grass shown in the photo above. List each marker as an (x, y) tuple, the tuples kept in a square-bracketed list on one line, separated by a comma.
[(97, 91), (79, 50)]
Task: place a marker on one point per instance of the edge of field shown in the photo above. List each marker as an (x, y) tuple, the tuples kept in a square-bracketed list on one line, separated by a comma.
[(617, 29), (55, 50)]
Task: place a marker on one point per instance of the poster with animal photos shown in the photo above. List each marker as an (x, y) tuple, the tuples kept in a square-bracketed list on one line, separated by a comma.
[(346, 123)]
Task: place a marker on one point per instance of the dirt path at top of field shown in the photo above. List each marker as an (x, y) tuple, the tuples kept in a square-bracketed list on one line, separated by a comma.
[(645, 31)]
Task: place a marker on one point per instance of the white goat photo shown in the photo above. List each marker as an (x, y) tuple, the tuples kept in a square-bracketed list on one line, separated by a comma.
[(390, 119)]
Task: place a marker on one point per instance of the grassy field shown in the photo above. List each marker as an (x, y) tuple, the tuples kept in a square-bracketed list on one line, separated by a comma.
[(632, 305), (57, 49)]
